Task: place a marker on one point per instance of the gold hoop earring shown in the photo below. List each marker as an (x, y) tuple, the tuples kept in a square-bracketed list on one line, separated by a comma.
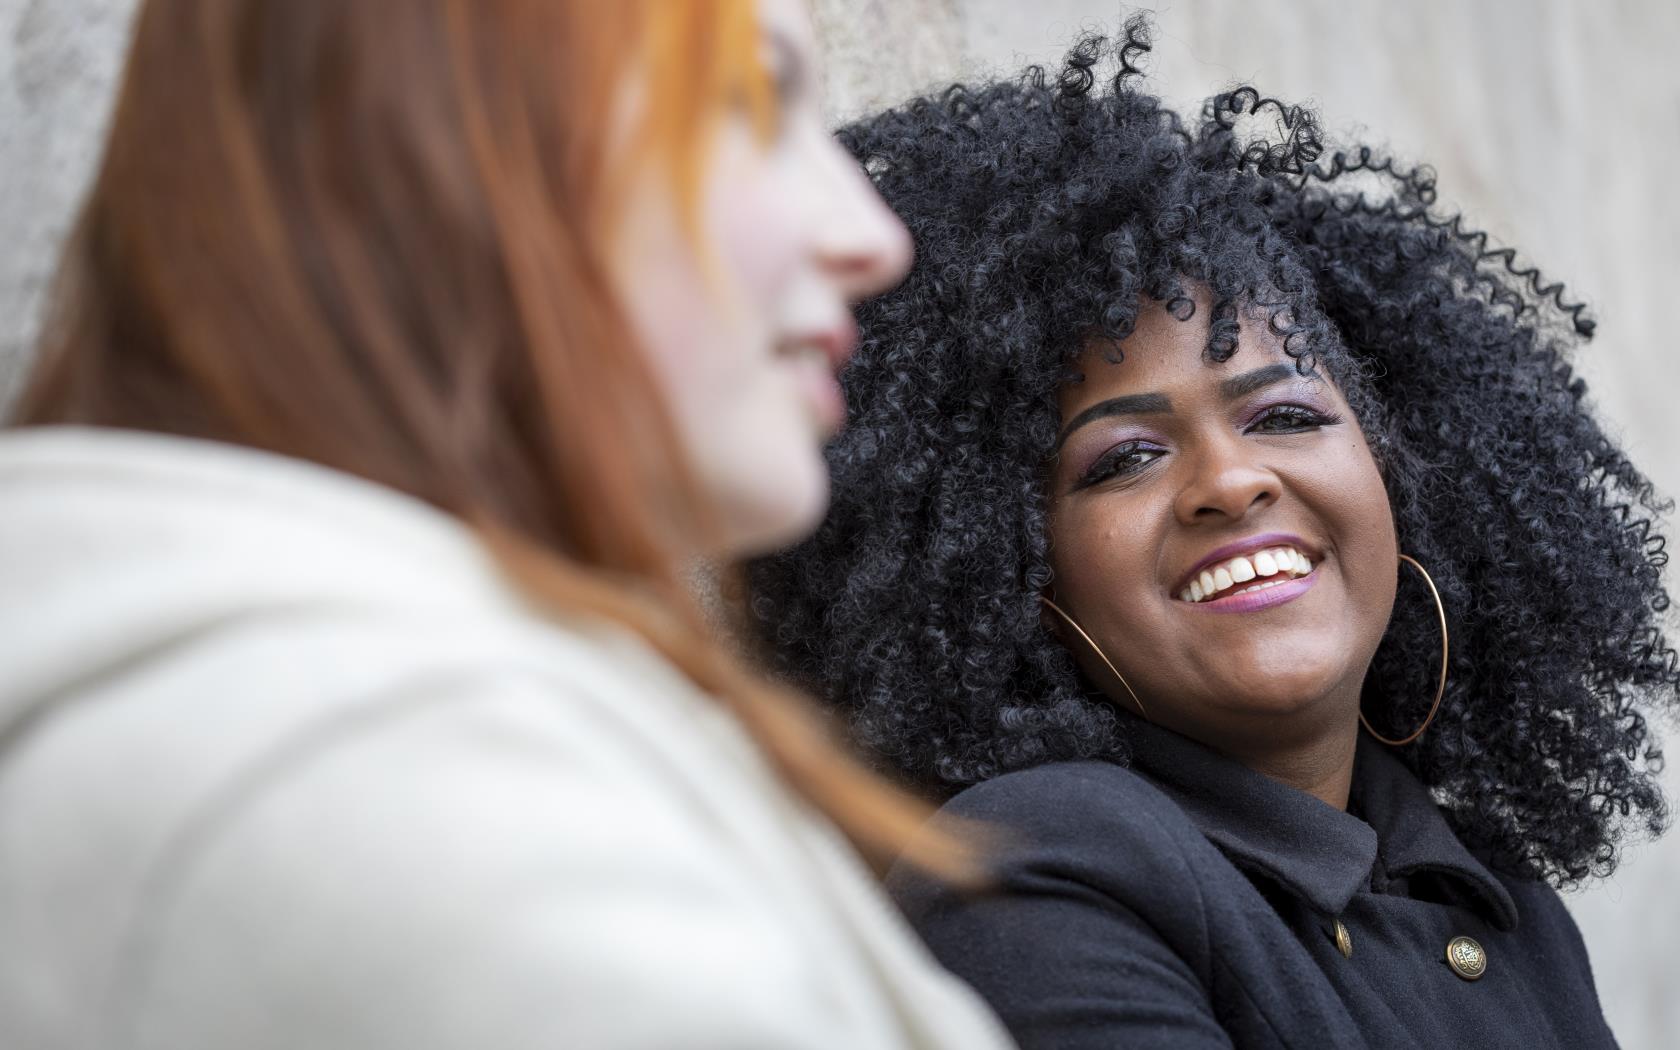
[(1100, 654), (1441, 689)]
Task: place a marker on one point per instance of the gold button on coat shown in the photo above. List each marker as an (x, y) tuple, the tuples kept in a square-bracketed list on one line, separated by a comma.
[(1466, 958), (1344, 943)]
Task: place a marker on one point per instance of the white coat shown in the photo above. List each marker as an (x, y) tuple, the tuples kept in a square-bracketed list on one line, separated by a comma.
[(286, 763)]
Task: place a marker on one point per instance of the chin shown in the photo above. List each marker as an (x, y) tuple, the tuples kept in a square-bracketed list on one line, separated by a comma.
[(1280, 701), (1280, 692), (763, 518)]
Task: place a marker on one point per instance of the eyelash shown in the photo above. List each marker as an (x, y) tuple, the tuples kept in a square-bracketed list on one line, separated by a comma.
[(1108, 465), (786, 88), (1305, 419)]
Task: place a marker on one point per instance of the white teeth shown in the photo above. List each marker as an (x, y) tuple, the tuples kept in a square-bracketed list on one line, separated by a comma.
[(1240, 570)]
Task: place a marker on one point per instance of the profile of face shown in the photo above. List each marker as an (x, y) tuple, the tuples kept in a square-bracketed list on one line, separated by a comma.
[(1222, 532), (747, 325)]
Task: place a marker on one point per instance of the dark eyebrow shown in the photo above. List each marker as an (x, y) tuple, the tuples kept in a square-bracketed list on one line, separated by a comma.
[(1129, 405), (1149, 404), (1249, 382)]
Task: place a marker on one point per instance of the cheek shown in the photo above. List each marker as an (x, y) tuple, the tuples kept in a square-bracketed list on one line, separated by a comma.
[(1353, 500), (756, 216), (703, 302), (1367, 499), (1100, 554), (660, 282)]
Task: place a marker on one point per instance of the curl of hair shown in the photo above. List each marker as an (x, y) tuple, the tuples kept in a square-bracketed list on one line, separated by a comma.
[(1043, 208)]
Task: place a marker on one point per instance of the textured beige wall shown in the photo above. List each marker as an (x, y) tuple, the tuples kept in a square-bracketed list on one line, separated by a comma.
[(58, 61), (1555, 124)]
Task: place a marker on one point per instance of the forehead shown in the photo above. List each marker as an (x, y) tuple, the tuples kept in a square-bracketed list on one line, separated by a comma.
[(1164, 354)]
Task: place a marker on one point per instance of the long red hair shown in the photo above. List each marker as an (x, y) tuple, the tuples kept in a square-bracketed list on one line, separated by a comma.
[(374, 235)]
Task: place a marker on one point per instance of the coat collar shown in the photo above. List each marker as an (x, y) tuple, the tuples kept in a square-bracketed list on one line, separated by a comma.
[(1309, 848)]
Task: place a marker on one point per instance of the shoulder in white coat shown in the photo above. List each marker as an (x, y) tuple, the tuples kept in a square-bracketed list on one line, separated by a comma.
[(286, 763)]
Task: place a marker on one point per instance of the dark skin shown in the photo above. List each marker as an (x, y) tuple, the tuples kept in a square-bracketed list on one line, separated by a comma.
[(1167, 459)]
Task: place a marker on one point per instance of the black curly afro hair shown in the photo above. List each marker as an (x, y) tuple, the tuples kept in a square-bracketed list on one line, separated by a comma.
[(1043, 210)]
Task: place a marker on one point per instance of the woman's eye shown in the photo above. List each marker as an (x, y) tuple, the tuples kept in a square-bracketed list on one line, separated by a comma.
[(1289, 419), (1118, 462)]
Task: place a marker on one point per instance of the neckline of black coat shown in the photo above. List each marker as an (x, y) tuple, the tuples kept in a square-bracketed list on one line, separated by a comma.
[(1303, 844)]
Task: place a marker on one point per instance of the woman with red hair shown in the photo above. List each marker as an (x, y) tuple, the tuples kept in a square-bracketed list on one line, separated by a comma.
[(406, 359)]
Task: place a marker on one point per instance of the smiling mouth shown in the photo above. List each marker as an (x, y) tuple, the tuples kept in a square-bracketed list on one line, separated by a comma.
[(1257, 571)]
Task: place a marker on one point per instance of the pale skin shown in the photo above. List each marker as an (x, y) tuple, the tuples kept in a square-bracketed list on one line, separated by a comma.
[(747, 328), (1168, 459)]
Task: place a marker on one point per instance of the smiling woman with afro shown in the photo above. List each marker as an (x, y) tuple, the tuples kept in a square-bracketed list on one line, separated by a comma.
[(1163, 472)]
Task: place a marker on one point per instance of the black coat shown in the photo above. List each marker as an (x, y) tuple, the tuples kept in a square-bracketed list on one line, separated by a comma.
[(1190, 902)]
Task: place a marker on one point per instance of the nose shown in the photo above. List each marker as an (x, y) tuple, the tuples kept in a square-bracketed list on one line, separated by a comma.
[(859, 242), (1226, 483)]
